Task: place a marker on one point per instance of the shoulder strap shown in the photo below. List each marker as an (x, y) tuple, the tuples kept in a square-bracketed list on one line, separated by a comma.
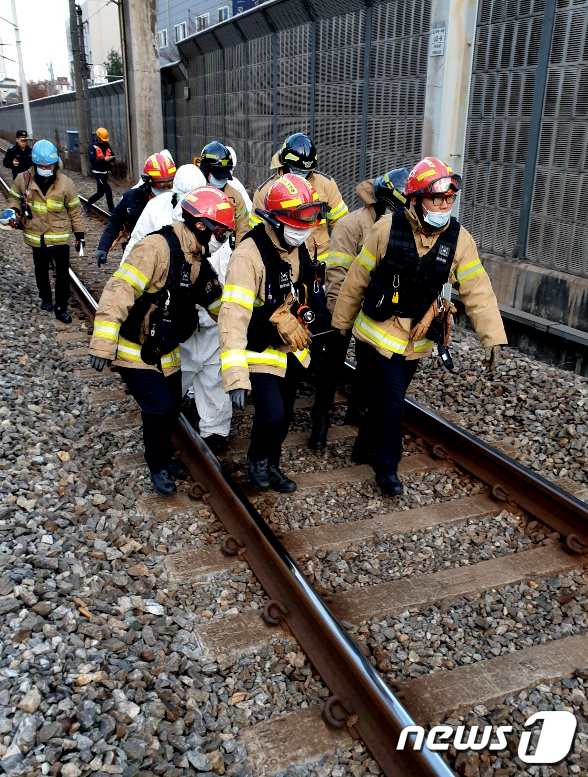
[(177, 260)]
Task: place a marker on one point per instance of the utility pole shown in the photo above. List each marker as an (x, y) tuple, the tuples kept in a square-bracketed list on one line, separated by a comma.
[(23, 80), (83, 139)]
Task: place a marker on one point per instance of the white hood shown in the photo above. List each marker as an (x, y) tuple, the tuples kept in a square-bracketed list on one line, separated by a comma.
[(188, 177), (233, 156)]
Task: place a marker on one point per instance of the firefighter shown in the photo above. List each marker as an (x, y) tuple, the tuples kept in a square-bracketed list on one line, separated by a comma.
[(406, 259), (268, 298), (18, 157), (101, 157), (298, 156), (149, 306), (379, 195), (44, 204), (157, 177), (217, 164)]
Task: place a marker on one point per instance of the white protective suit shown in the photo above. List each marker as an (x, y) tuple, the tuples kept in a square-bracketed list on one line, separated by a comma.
[(200, 354)]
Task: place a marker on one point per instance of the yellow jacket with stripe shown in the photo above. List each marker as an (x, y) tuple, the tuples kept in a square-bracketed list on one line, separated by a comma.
[(144, 270), (328, 192), (347, 239), (245, 289), (392, 336), (241, 212), (55, 215)]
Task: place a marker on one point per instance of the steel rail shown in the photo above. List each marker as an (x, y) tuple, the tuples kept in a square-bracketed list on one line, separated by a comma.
[(510, 481), (362, 702)]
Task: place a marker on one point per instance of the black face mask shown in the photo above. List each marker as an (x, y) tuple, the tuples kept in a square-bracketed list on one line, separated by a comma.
[(202, 235)]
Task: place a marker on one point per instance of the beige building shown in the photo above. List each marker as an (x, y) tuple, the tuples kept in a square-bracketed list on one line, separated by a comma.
[(101, 33)]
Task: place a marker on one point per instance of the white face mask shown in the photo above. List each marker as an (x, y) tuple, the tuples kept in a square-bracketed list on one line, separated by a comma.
[(44, 173), (218, 183), (295, 237), (214, 244), (437, 219)]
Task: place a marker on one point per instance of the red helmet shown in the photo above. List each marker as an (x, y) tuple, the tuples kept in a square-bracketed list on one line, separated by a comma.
[(294, 202), (211, 206), (431, 176), (159, 170)]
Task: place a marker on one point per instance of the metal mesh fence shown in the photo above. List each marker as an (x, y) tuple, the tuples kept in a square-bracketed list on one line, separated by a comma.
[(558, 229)]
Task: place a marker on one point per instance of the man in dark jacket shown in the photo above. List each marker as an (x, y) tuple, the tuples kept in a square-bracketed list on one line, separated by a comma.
[(101, 157), (18, 157), (158, 176)]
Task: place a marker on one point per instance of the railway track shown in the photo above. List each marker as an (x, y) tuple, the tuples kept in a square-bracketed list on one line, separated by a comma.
[(311, 563)]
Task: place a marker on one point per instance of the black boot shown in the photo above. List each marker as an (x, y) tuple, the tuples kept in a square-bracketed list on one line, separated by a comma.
[(354, 414), (46, 305), (361, 456), (217, 443), (62, 315), (258, 473), (178, 470), (278, 481), (390, 484), (163, 482), (318, 436)]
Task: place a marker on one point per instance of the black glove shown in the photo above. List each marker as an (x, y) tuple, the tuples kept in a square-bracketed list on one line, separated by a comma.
[(101, 257), (80, 241), (98, 363), (238, 397)]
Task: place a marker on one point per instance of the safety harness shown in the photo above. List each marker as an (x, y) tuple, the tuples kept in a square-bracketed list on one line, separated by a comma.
[(175, 315), (406, 284), (262, 334)]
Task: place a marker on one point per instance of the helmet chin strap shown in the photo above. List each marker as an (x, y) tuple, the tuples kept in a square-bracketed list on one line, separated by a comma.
[(276, 225)]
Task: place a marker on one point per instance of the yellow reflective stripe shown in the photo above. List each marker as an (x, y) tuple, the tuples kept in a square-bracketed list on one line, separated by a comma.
[(336, 213), (322, 257), (291, 203), (171, 359), (132, 276), (73, 203), (239, 212), (379, 336), (57, 235), (233, 358), (270, 356), (106, 329), (472, 274), (15, 193), (128, 350), (339, 259), (254, 221), (40, 206), (33, 237), (240, 295), (469, 270), (301, 355), (366, 260), (422, 345), (55, 205), (214, 307), (426, 174)]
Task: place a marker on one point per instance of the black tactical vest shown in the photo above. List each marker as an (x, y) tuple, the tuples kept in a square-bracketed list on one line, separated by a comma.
[(175, 317), (261, 333), (406, 284)]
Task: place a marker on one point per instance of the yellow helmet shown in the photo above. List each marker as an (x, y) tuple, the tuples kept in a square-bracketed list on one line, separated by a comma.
[(102, 134)]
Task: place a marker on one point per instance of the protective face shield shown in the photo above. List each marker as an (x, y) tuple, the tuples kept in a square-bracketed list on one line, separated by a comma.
[(436, 219), (295, 237), (45, 173)]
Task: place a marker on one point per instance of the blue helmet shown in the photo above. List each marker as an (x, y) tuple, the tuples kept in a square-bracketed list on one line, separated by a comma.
[(45, 153)]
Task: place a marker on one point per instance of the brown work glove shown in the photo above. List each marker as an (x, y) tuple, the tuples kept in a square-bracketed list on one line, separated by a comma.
[(289, 327), (421, 329)]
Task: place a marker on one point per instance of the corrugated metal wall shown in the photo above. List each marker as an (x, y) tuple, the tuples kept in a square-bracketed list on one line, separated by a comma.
[(558, 230), (286, 72), (52, 117), (501, 97)]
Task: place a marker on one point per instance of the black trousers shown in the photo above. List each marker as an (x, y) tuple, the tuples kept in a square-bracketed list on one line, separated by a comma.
[(41, 259), (386, 382), (103, 189), (273, 398), (160, 400), (328, 354)]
